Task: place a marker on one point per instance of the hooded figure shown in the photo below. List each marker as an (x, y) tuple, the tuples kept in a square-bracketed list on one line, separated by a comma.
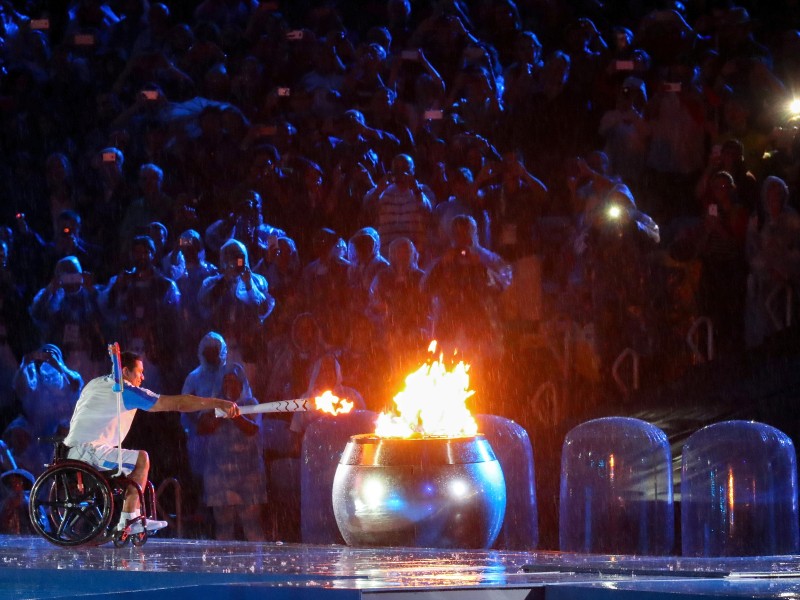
[(236, 302), (364, 252), (234, 482), (203, 381), (66, 312), (15, 488), (48, 391), (212, 353)]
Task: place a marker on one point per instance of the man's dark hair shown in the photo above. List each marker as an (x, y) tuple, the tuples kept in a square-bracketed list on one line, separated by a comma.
[(128, 360)]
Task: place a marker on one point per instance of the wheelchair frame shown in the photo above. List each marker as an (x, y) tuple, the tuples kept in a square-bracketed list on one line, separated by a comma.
[(75, 504)]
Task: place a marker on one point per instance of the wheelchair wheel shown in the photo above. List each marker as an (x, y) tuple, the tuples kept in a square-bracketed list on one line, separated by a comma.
[(71, 504)]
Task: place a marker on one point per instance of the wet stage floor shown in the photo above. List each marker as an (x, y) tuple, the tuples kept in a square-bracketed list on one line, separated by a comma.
[(174, 569)]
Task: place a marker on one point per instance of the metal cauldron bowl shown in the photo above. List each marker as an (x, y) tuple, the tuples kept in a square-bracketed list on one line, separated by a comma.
[(431, 492)]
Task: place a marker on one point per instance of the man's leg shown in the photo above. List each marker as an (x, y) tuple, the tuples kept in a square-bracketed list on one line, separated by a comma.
[(131, 508), (139, 475)]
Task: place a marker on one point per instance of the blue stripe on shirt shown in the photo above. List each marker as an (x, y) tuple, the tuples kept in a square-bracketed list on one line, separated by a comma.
[(108, 464), (137, 397)]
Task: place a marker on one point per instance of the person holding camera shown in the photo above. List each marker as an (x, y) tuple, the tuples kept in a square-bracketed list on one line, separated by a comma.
[(626, 132), (48, 391), (68, 241), (143, 306), (66, 313), (515, 200), (108, 192), (464, 284), (187, 267), (245, 223), (403, 208), (236, 303), (773, 255), (718, 241)]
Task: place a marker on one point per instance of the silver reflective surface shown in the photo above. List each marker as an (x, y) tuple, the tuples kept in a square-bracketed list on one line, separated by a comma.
[(419, 493)]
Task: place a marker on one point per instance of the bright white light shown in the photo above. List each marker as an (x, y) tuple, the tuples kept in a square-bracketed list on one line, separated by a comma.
[(794, 106), (458, 488), (614, 212), (373, 492)]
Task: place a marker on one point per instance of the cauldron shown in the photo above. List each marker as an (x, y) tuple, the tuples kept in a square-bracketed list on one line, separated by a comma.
[(434, 492)]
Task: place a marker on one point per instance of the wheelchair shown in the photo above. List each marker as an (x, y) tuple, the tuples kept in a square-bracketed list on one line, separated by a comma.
[(75, 504)]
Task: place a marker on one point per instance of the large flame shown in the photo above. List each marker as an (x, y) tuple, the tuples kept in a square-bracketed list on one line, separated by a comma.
[(331, 404), (433, 403)]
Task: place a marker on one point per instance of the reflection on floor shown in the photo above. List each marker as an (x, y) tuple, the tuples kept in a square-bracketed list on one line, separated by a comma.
[(30, 568)]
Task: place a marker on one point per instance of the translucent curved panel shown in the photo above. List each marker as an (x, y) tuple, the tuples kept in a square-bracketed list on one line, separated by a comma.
[(616, 489), (739, 491)]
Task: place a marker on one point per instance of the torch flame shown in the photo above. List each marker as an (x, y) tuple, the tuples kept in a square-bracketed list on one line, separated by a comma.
[(433, 403), (334, 405)]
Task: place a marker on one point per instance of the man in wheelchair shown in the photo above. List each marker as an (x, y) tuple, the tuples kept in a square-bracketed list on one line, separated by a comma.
[(97, 428)]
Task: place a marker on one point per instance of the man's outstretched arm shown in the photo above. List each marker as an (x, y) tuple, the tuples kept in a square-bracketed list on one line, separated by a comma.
[(190, 403)]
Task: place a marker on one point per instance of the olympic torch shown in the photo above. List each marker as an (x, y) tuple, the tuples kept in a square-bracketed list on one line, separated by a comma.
[(326, 402)]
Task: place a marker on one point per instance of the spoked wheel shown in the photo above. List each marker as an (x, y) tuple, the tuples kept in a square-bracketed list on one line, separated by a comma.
[(71, 504)]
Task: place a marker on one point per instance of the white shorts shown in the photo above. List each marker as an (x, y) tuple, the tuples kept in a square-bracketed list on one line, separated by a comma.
[(104, 457)]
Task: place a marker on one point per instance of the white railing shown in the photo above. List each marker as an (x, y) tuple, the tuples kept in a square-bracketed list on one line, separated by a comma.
[(177, 520), (633, 355), (693, 343)]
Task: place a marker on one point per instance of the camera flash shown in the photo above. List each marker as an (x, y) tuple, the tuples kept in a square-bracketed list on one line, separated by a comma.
[(794, 106), (614, 212)]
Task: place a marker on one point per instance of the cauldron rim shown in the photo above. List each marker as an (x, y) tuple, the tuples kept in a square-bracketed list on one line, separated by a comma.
[(372, 450)]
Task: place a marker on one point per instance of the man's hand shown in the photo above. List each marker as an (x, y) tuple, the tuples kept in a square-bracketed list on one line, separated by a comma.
[(231, 409)]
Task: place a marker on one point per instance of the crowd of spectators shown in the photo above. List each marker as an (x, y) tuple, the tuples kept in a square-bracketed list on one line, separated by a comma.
[(301, 195)]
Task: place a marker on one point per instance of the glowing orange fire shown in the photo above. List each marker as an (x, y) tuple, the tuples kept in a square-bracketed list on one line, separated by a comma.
[(433, 403), (334, 405)]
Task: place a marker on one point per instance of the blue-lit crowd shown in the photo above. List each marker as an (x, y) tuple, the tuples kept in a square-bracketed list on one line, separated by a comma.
[(266, 200)]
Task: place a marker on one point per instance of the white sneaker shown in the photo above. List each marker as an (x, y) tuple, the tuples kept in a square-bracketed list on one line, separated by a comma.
[(152, 526)]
